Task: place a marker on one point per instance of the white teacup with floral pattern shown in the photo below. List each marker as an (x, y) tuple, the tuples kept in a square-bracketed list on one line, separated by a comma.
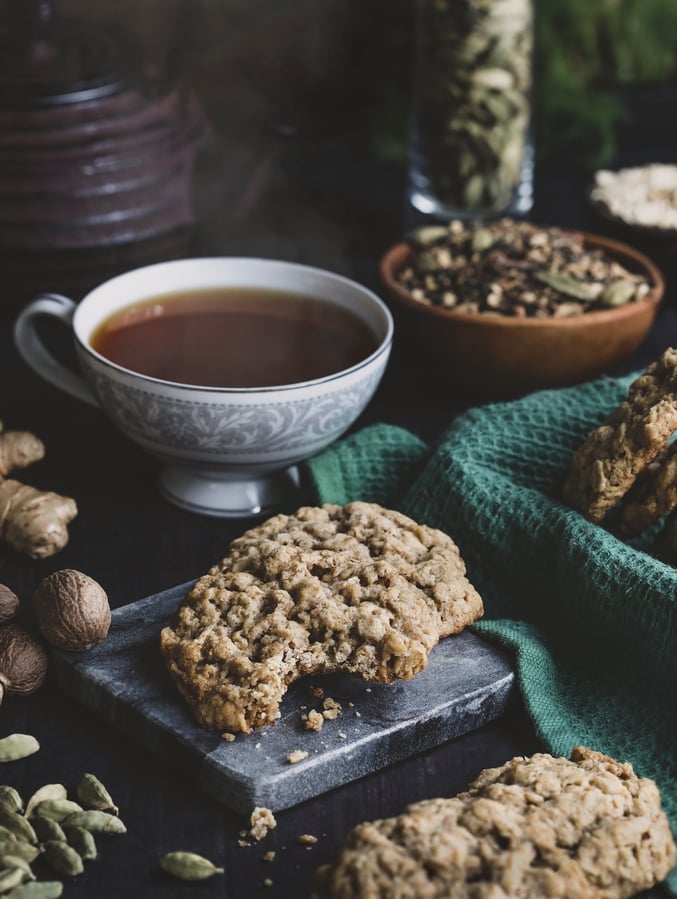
[(227, 451)]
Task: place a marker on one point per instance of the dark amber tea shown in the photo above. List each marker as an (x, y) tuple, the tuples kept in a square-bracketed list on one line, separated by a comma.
[(234, 337)]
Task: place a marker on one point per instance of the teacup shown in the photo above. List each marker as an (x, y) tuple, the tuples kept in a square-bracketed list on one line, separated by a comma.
[(227, 451)]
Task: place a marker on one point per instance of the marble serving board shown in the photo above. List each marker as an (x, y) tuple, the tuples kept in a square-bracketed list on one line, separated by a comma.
[(467, 683)]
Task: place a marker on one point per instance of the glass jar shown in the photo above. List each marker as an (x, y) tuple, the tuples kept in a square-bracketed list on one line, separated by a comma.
[(471, 148)]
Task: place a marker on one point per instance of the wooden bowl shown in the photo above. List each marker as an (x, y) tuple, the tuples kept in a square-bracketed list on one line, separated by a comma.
[(495, 357)]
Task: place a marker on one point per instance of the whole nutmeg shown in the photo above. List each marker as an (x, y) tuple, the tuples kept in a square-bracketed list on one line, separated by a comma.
[(9, 603), (72, 610), (23, 662)]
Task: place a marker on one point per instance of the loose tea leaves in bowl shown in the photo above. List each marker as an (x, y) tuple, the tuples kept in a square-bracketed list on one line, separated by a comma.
[(517, 269)]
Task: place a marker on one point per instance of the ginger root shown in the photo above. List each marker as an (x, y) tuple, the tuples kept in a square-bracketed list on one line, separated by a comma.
[(32, 521)]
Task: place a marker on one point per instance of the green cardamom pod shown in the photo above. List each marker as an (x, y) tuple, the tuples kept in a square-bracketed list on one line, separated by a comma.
[(571, 287), (17, 746), (82, 841), (19, 848), (49, 791), (7, 862), (96, 822), (44, 889), (11, 799), (188, 866), (426, 235), (18, 825), (482, 239), (92, 794), (56, 809), (48, 829), (12, 877), (62, 858), (6, 833), (617, 294)]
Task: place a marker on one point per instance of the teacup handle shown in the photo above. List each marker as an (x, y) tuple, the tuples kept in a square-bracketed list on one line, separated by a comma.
[(36, 354)]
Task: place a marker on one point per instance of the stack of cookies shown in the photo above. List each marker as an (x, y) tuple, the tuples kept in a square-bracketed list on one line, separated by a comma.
[(625, 472)]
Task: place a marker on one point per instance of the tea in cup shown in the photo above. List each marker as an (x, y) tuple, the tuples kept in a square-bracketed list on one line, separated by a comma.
[(229, 370)]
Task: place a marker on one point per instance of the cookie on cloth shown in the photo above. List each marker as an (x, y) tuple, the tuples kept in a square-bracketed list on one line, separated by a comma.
[(588, 828), (355, 588), (604, 468), (653, 495)]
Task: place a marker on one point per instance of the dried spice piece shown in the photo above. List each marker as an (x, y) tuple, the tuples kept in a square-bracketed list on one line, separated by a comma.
[(62, 858), (47, 829), (92, 794), (12, 877), (515, 269), (34, 522), (11, 799), (72, 610), (96, 822), (23, 663), (45, 889), (57, 809), (49, 791), (9, 604), (82, 841), (18, 826), (17, 746), (188, 866), (19, 848), (11, 861)]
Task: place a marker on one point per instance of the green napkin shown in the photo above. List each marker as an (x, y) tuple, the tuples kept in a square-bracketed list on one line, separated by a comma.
[(591, 621)]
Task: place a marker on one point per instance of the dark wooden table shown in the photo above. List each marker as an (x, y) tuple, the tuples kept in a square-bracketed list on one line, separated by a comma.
[(331, 207)]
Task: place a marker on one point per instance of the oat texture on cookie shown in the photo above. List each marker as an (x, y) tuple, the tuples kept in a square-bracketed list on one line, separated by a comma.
[(612, 457), (585, 828), (355, 588)]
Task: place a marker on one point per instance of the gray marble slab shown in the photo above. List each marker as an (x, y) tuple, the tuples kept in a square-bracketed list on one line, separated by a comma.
[(466, 684)]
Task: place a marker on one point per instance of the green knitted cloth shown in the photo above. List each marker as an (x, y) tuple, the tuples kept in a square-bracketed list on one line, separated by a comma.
[(591, 621)]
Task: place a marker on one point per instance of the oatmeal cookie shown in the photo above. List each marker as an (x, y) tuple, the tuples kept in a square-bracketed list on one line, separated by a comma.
[(653, 495), (355, 588), (604, 468), (588, 828)]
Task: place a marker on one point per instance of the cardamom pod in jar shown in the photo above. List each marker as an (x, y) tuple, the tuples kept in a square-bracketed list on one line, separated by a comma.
[(471, 151)]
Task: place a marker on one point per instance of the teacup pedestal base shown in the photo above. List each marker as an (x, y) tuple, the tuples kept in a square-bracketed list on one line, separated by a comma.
[(205, 493)]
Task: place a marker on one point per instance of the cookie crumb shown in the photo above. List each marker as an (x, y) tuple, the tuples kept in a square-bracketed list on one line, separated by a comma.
[(317, 692), (357, 714), (331, 708), (342, 735), (262, 820), (313, 721), (307, 839), (228, 737), (243, 844), (267, 882), (298, 755), (269, 856)]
